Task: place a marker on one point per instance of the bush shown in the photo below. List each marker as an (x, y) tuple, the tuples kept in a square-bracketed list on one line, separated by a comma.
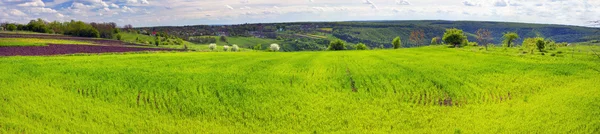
[(258, 47), (397, 42), (119, 37), (559, 52), (274, 47), (225, 48), (212, 46), (361, 46), (337, 45), (235, 48)]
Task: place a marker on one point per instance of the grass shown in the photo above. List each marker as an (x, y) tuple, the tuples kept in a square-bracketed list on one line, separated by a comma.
[(417, 90), (37, 42)]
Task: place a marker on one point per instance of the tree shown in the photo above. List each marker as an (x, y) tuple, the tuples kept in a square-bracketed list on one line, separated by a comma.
[(258, 47), (225, 48), (531, 44), (274, 47), (223, 39), (541, 44), (435, 41), (397, 42), (11, 27), (417, 37), (361, 46), (484, 37), (337, 45), (454, 36), (128, 27), (509, 38), (156, 40), (212, 46), (235, 48)]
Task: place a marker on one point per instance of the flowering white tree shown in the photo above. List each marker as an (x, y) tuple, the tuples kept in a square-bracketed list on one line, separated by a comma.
[(235, 48), (212, 46), (274, 47), (225, 48)]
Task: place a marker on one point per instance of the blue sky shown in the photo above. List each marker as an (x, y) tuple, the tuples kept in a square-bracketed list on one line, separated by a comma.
[(196, 12)]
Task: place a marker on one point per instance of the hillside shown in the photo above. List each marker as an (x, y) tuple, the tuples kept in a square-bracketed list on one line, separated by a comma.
[(377, 33), (382, 32), (418, 90)]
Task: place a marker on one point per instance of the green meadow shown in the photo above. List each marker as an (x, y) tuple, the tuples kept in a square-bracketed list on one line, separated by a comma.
[(417, 90)]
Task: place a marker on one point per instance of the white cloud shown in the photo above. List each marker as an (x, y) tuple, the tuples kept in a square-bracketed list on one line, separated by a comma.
[(35, 3), (126, 9), (15, 12), (41, 10), (137, 2), (402, 2), (229, 7), (500, 3)]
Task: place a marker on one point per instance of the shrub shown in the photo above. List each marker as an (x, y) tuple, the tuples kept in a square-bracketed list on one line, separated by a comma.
[(274, 47), (361, 46), (552, 54), (258, 47), (235, 48), (559, 52), (397, 42), (225, 48), (119, 37), (212, 46), (337, 45)]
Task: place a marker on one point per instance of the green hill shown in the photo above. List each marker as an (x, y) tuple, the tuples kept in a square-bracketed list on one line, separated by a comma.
[(382, 32), (417, 90)]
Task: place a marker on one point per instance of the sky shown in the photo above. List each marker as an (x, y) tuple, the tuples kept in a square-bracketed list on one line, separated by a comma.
[(201, 12)]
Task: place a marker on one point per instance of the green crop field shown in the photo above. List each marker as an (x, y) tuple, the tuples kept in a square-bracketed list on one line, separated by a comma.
[(418, 90), (36, 42)]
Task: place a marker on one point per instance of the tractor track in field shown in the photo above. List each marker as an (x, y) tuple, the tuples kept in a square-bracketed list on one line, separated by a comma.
[(100, 46)]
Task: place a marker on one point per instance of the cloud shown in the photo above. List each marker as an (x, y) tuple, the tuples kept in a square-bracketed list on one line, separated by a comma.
[(229, 7), (402, 2), (15, 12), (41, 10), (500, 3), (369, 2), (35, 3), (126, 9), (469, 3), (137, 2)]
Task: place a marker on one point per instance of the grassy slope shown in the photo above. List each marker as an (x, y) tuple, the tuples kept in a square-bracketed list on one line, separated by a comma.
[(398, 91), (246, 42), (36, 42)]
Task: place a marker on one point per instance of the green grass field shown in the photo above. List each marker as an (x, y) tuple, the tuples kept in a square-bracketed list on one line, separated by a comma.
[(418, 90), (37, 42)]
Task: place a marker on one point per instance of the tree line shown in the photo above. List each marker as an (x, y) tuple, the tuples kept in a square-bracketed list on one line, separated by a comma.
[(73, 28)]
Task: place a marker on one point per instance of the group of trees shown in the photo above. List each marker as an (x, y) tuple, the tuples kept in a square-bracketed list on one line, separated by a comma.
[(73, 28), (457, 37), (203, 40)]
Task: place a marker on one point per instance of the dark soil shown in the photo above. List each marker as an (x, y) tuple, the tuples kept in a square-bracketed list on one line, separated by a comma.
[(101, 46)]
